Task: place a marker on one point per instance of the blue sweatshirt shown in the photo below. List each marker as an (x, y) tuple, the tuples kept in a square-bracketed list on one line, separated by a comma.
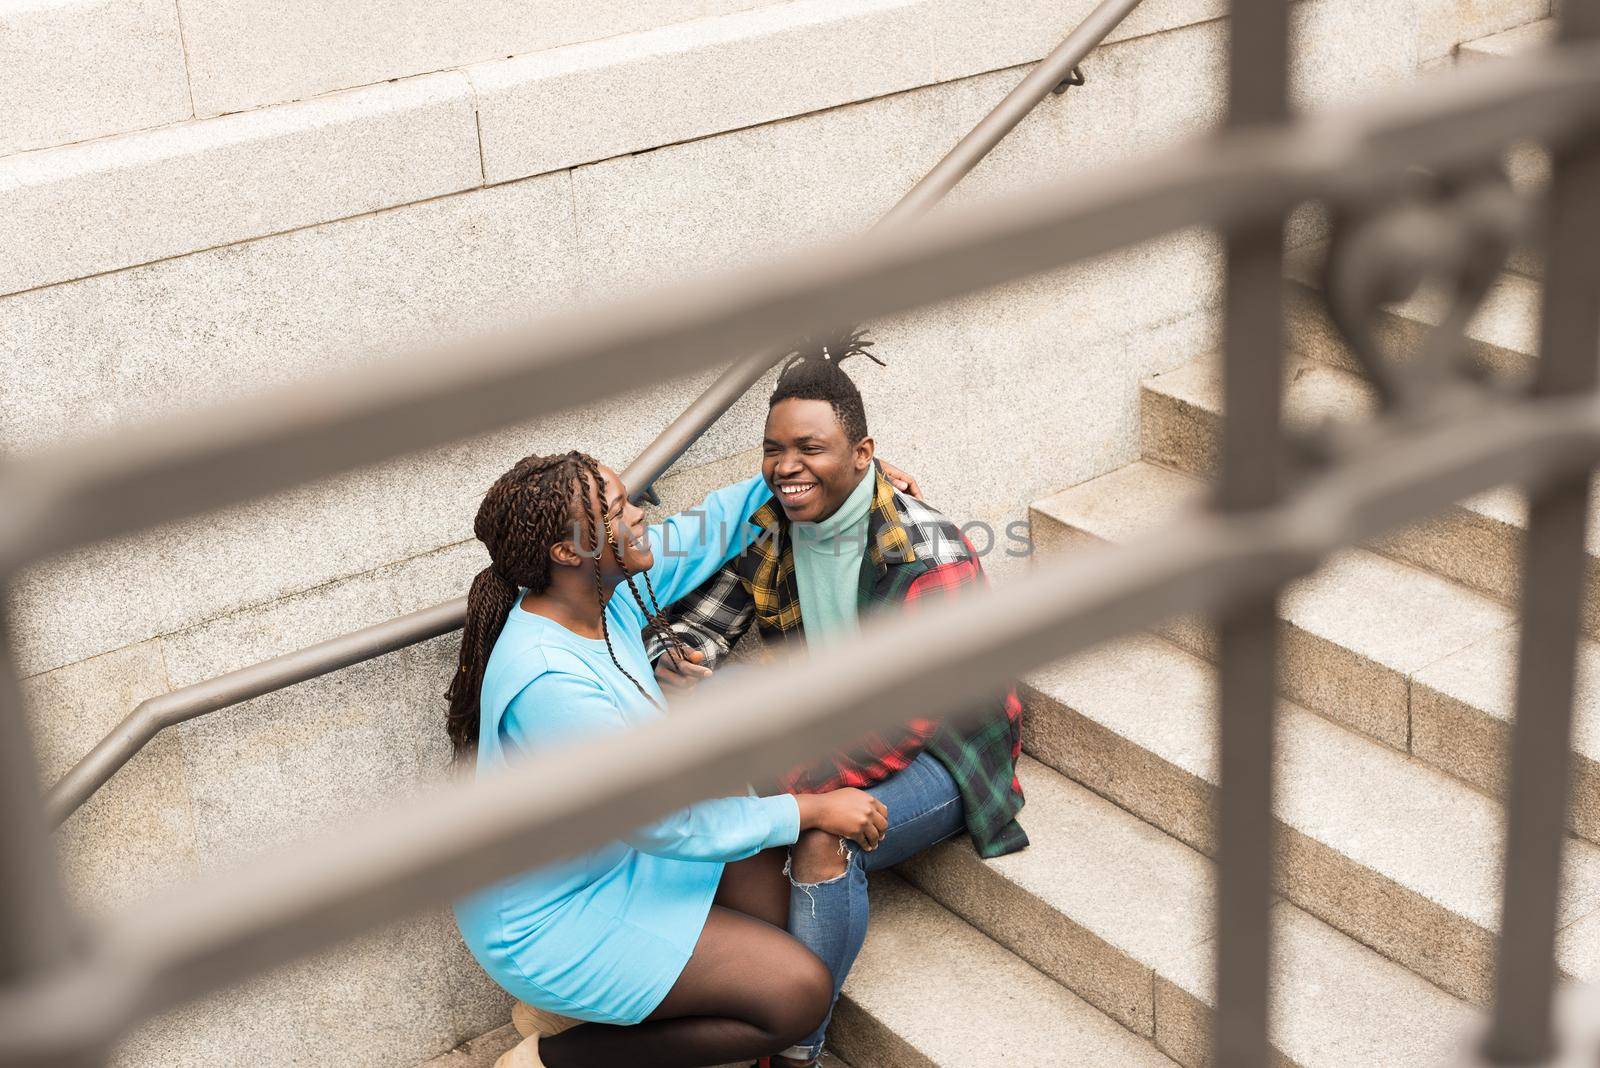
[(604, 936)]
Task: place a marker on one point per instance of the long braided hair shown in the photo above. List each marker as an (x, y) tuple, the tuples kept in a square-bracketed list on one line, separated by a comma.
[(523, 515)]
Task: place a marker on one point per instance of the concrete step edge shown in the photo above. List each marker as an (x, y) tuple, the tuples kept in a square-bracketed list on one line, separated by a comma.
[(1394, 854), (1452, 713), (483, 1051), (1122, 914), (215, 180), (1477, 542), (930, 990), (1503, 336), (1519, 40)]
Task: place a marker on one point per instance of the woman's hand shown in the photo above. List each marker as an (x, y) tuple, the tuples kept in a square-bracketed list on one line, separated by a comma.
[(848, 813), (901, 481)]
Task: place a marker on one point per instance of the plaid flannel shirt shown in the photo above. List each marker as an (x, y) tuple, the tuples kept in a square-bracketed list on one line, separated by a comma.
[(913, 556)]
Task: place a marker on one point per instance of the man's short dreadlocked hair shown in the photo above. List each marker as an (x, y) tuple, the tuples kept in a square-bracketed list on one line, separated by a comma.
[(812, 372)]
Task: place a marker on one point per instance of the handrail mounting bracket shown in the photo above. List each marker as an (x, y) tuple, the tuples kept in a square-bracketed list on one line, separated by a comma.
[(1075, 78)]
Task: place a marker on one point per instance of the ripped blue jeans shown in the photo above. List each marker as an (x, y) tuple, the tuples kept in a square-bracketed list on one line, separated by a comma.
[(830, 917)]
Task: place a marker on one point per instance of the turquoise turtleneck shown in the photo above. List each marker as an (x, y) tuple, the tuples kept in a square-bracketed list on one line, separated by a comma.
[(827, 566)]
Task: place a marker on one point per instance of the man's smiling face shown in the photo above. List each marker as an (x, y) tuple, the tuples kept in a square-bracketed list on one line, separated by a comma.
[(808, 462)]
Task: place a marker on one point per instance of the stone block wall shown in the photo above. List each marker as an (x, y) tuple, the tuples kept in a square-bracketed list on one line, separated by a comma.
[(235, 195)]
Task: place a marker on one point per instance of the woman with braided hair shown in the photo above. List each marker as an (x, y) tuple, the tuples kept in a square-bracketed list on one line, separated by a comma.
[(666, 948)]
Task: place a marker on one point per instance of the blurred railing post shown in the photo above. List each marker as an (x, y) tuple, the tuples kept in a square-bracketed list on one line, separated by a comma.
[(1553, 579), (35, 925), (1251, 460)]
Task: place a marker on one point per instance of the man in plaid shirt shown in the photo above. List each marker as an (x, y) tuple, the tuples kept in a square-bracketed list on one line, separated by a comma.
[(839, 541)]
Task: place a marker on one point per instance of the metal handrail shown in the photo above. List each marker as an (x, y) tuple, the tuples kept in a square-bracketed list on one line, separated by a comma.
[(154, 714)]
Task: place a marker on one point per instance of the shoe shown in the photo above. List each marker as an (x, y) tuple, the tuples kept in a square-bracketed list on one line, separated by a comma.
[(524, 1054), (528, 1020)]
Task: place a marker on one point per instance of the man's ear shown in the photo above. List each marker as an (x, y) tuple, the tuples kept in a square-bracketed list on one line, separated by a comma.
[(864, 451)]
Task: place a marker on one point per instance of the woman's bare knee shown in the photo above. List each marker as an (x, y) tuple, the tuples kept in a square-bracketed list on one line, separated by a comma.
[(817, 857)]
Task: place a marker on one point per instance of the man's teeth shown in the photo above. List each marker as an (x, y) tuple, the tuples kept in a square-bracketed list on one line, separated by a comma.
[(790, 491)]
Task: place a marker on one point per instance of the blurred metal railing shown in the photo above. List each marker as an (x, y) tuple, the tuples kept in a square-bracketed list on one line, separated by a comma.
[(69, 987), (151, 716)]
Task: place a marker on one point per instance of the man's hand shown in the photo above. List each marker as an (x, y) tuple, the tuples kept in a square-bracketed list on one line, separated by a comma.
[(680, 670), (902, 481), (845, 813)]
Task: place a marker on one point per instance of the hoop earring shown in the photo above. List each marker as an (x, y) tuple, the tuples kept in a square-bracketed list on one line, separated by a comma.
[(616, 550)]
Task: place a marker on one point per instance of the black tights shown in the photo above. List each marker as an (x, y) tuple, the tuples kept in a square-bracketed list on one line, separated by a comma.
[(749, 989)]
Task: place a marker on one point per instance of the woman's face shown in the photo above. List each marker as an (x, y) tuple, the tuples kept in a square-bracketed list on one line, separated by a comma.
[(626, 522)]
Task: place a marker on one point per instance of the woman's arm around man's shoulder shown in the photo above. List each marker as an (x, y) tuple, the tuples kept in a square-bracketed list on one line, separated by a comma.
[(690, 546)]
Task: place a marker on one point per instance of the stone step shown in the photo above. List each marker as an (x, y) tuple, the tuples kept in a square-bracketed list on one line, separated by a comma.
[(1462, 712), (1529, 164), (1513, 42), (393, 113), (103, 205), (1503, 336), (216, 180), (1352, 650), (76, 69), (1121, 914), (1443, 28), (930, 990), (243, 56), (1477, 542), (480, 1052), (1395, 854), (1350, 637), (483, 1051)]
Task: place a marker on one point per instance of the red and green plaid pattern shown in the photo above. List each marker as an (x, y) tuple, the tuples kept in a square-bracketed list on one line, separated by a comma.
[(914, 557)]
